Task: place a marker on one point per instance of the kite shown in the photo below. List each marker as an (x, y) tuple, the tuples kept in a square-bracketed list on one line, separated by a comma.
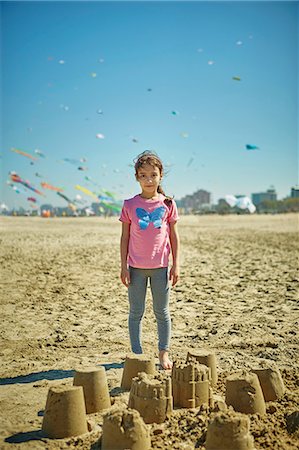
[(50, 187), (115, 208), (110, 194), (32, 199), (236, 78), (87, 178), (17, 189), (16, 179), (82, 168), (190, 162), (39, 153), (175, 113), (251, 147), (71, 205), (240, 202), (64, 197), (86, 191), (75, 162), (20, 152), (100, 136), (38, 175)]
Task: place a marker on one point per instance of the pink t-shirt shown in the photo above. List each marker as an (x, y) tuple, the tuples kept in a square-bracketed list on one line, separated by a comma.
[(149, 245)]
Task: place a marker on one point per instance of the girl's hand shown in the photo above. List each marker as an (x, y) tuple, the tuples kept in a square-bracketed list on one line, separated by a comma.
[(174, 275), (125, 277)]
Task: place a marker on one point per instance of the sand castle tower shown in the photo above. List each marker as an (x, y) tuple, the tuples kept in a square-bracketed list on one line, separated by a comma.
[(229, 431), (65, 412), (135, 364), (244, 393), (206, 357), (95, 388), (151, 396), (125, 429), (270, 380), (191, 384)]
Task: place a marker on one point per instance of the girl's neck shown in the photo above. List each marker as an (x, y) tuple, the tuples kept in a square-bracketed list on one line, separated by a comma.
[(148, 196)]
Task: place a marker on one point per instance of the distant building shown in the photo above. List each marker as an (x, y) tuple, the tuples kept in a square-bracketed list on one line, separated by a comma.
[(260, 197), (201, 199), (295, 192)]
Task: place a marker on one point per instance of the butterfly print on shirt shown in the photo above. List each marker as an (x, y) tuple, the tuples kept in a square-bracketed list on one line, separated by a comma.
[(145, 217)]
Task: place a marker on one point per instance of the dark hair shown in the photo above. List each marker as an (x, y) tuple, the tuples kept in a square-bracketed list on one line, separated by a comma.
[(151, 158)]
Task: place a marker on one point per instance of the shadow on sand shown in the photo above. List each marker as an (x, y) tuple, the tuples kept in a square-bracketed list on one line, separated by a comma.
[(50, 375), (18, 438)]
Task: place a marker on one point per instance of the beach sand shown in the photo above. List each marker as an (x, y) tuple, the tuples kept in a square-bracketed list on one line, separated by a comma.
[(63, 307)]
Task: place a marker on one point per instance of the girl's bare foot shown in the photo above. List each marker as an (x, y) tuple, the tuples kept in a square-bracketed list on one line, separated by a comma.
[(164, 360)]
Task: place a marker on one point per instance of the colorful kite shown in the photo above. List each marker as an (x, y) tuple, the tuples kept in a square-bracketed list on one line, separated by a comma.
[(86, 191), (115, 208), (70, 204), (64, 197), (16, 179), (20, 152), (50, 187), (109, 194), (251, 147)]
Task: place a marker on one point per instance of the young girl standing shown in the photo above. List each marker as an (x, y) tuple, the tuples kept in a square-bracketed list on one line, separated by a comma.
[(149, 235)]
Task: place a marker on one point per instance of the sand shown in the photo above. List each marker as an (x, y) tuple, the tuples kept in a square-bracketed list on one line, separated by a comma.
[(63, 307)]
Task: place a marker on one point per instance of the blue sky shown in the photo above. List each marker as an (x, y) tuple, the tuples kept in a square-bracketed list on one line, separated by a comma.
[(72, 70)]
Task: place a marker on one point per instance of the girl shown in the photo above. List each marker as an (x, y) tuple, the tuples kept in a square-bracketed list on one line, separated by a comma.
[(149, 234)]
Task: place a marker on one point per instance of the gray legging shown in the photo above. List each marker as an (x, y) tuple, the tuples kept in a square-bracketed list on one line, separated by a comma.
[(137, 293)]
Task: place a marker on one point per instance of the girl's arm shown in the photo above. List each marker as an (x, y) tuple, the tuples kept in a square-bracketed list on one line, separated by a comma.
[(124, 243), (175, 248)]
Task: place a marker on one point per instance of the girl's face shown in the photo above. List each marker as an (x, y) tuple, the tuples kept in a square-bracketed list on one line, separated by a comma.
[(149, 178)]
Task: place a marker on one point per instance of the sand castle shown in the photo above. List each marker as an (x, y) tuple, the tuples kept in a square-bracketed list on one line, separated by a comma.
[(270, 380), (229, 431), (135, 364), (151, 395), (191, 384), (95, 388), (125, 429), (151, 400), (244, 393), (65, 412), (206, 357)]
